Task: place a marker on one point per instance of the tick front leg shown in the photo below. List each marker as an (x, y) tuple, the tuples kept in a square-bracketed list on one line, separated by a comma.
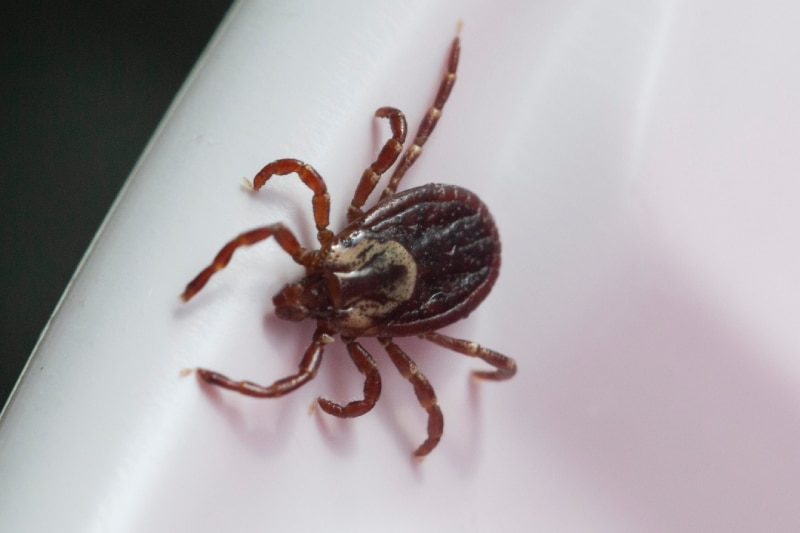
[(282, 234), (386, 158), (321, 201), (308, 369), (372, 384), (506, 366), (424, 391)]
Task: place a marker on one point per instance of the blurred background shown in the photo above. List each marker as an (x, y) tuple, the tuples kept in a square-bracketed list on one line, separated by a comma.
[(84, 86)]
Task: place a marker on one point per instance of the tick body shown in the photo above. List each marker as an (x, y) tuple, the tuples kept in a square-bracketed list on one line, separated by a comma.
[(415, 262)]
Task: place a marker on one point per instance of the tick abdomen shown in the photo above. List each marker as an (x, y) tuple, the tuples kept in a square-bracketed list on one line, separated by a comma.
[(418, 261)]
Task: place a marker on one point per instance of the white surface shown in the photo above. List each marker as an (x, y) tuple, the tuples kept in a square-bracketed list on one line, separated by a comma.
[(641, 162)]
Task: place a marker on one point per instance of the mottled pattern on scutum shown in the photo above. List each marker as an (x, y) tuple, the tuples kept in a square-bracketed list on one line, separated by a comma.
[(452, 236)]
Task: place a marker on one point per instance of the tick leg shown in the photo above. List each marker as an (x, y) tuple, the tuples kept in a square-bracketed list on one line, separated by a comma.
[(282, 234), (425, 394), (321, 201), (372, 385), (428, 123), (506, 366), (388, 155), (308, 369)]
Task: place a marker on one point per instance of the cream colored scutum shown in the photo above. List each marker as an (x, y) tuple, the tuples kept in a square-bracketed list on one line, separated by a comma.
[(369, 279)]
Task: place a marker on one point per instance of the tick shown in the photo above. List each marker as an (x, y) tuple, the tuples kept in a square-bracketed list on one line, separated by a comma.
[(415, 262)]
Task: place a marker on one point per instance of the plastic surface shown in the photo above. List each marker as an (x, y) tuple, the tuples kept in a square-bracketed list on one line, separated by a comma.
[(640, 160)]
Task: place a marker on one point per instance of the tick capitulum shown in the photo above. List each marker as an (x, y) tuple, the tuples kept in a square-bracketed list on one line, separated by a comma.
[(415, 262)]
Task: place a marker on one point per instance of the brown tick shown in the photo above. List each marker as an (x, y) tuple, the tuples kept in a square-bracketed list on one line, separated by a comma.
[(417, 261)]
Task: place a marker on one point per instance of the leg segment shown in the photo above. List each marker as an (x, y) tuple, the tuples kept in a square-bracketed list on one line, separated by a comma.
[(308, 369), (425, 394), (281, 233), (386, 158), (428, 123), (506, 366), (321, 202), (372, 385)]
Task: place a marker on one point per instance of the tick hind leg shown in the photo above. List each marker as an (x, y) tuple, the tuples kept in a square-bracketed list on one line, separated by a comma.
[(372, 384), (308, 369), (424, 392), (386, 158), (506, 366), (282, 234), (428, 122)]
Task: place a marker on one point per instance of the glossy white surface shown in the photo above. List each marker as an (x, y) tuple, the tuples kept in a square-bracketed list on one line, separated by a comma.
[(641, 162)]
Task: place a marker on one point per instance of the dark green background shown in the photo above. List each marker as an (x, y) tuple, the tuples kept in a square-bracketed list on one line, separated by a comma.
[(84, 85)]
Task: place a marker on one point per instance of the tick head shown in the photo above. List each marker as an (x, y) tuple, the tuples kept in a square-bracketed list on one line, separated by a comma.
[(289, 303), (298, 301)]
